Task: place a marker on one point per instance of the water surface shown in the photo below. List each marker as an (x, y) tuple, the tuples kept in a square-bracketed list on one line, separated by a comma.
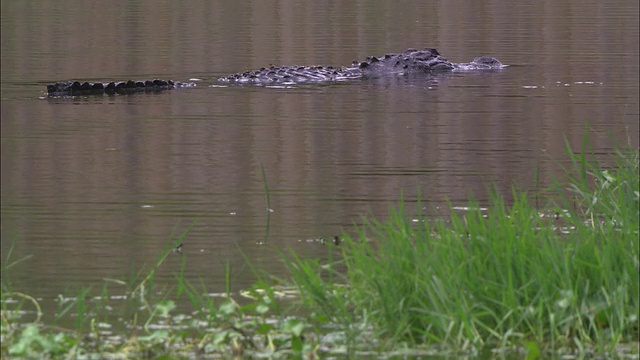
[(93, 187)]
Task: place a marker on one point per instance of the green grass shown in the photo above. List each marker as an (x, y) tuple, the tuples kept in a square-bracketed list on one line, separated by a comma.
[(516, 276), (559, 279)]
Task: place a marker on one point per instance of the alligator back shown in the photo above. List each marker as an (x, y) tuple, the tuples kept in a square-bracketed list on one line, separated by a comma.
[(408, 62), (292, 74), (412, 61)]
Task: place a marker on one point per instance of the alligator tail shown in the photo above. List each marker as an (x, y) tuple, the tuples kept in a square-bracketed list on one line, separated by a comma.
[(66, 88)]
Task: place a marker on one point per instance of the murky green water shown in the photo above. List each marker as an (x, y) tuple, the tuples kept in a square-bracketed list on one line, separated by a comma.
[(93, 187)]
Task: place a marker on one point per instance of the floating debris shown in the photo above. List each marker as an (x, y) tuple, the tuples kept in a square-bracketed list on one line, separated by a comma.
[(178, 249)]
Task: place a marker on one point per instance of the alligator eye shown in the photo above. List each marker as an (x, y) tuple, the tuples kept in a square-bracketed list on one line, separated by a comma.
[(363, 65)]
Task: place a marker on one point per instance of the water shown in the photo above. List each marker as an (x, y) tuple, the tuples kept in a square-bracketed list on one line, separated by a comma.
[(93, 187)]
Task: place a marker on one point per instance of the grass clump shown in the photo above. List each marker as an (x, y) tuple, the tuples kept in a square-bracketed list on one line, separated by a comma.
[(508, 276), (145, 321)]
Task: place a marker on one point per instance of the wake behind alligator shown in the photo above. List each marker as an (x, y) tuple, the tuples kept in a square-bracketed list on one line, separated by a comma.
[(412, 61)]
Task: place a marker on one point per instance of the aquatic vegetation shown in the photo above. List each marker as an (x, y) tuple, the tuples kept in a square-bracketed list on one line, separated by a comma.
[(149, 323), (493, 278)]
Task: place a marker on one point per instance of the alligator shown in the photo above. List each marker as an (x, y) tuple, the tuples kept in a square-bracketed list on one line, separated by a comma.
[(412, 61)]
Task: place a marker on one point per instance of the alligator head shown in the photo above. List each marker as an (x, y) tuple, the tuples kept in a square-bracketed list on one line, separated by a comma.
[(481, 63)]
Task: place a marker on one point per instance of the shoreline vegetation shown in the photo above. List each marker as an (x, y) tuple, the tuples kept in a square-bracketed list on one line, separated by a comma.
[(500, 281)]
